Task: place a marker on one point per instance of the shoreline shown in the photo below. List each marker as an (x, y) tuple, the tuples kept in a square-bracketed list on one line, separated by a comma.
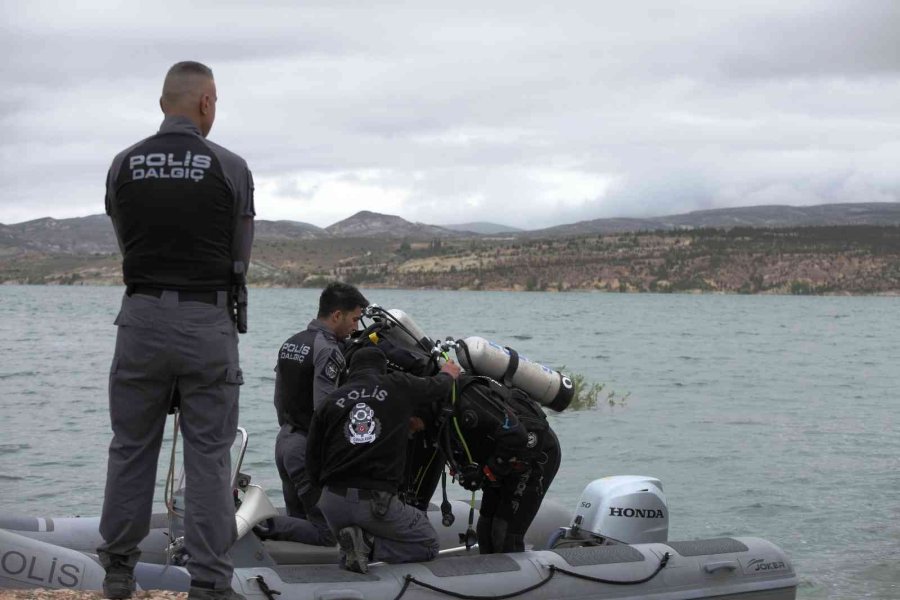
[(586, 290)]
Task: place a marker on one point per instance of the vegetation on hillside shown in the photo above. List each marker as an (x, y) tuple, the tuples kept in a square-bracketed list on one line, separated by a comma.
[(852, 259)]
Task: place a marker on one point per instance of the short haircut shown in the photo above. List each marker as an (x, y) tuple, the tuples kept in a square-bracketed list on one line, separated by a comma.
[(182, 79), (340, 296), (190, 67)]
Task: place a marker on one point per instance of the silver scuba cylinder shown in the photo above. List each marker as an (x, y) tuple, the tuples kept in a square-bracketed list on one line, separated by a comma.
[(404, 331), (548, 386), (401, 330)]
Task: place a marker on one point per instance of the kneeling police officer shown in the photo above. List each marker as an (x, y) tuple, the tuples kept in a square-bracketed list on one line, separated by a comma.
[(356, 453)]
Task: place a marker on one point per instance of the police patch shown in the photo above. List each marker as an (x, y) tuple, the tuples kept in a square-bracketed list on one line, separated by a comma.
[(331, 370), (362, 426)]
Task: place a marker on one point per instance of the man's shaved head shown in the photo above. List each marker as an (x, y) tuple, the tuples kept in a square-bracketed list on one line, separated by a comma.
[(184, 81), (190, 91)]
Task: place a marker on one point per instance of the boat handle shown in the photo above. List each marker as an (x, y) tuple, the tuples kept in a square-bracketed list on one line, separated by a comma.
[(340, 595), (725, 565)]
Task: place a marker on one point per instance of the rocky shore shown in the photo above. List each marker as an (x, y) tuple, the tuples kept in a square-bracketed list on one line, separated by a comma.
[(42, 594)]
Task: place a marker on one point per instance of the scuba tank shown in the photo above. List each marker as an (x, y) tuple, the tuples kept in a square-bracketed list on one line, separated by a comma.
[(548, 386), (404, 331), (405, 345)]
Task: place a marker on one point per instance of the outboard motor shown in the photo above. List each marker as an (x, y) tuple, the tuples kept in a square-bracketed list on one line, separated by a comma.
[(482, 357), (628, 509)]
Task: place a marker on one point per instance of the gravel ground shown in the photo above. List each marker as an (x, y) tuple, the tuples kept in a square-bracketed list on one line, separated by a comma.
[(42, 594)]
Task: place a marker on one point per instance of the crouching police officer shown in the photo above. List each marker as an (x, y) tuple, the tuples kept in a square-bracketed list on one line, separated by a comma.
[(307, 370), (182, 210), (357, 451), (504, 446)]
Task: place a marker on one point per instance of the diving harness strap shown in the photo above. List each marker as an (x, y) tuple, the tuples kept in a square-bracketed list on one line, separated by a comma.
[(447, 415)]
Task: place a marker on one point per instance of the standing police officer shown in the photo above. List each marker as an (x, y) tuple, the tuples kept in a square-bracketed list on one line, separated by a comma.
[(309, 363), (182, 209)]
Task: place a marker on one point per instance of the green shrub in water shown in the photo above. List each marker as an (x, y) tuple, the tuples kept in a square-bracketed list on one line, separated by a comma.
[(587, 394)]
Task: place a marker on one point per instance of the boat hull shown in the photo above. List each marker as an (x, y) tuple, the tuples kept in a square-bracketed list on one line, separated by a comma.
[(745, 568)]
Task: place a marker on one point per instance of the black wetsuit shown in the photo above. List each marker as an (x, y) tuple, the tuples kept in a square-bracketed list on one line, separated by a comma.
[(517, 454)]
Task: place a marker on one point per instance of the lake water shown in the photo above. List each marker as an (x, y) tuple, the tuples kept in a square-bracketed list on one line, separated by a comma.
[(767, 416)]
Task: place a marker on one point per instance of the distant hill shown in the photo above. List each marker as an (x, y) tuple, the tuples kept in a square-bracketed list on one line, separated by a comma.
[(7, 239), (93, 235), (294, 230), (82, 235), (851, 249), (777, 216), (371, 224), (482, 228)]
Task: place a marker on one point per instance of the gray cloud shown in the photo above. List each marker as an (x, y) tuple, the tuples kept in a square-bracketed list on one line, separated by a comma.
[(529, 116)]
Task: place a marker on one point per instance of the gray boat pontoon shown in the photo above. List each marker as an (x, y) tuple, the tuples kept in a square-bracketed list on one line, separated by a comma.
[(614, 546)]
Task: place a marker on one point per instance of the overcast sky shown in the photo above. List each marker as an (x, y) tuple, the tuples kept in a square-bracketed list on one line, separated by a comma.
[(525, 113)]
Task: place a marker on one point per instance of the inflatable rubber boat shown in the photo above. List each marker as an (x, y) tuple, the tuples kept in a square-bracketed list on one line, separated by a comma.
[(584, 555), (613, 545)]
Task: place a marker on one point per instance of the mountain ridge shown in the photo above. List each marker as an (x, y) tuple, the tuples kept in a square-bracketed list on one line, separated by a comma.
[(772, 216), (94, 235), (366, 223)]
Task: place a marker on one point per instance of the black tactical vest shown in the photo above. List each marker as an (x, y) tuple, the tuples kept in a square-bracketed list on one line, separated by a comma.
[(296, 378), (175, 214)]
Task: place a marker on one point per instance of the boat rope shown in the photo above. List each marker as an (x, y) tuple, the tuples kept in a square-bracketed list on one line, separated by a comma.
[(662, 565), (169, 493), (408, 579), (264, 587)]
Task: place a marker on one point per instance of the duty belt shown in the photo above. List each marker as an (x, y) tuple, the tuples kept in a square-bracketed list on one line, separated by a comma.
[(210, 297)]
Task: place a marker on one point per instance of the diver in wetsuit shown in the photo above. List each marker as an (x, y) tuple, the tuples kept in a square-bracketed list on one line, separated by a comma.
[(504, 446)]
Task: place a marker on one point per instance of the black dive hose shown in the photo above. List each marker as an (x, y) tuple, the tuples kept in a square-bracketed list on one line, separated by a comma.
[(470, 537), (447, 517)]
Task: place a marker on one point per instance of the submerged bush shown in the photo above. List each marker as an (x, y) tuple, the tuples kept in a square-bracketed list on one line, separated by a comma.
[(587, 394)]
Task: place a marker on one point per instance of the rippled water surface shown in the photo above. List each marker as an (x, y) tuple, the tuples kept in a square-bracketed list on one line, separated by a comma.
[(764, 416)]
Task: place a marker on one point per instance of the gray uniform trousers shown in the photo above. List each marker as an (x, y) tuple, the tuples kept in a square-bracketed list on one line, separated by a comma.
[(162, 341), (300, 496), (402, 534)]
